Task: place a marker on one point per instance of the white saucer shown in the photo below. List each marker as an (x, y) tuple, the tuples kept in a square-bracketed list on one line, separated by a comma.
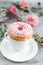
[(18, 56)]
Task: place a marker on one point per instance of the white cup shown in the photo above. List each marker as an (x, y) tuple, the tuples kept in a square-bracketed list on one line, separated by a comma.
[(19, 45)]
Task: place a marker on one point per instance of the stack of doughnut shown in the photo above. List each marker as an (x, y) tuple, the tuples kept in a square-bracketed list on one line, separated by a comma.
[(20, 31)]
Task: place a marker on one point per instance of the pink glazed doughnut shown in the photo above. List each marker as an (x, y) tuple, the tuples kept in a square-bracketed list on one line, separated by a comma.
[(20, 31)]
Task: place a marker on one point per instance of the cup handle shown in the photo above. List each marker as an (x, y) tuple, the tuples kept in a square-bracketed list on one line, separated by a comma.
[(6, 35)]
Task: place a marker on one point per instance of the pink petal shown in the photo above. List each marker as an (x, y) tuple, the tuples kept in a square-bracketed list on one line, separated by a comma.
[(13, 9)]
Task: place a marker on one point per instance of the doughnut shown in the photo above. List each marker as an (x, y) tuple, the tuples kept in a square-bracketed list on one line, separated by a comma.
[(20, 31)]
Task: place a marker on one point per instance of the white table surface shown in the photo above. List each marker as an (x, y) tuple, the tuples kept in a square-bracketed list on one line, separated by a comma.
[(37, 60)]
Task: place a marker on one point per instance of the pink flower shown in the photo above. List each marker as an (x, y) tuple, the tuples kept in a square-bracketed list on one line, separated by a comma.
[(24, 4), (13, 9), (33, 20)]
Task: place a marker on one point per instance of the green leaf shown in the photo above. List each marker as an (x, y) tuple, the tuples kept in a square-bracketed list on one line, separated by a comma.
[(26, 11), (17, 5), (3, 29), (0, 34), (34, 9), (41, 13)]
